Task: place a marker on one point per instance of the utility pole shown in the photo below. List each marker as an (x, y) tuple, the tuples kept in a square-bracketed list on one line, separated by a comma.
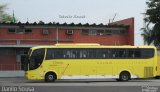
[(112, 20), (114, 17)]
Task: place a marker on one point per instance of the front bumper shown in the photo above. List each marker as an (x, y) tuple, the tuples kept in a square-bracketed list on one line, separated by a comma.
[(33, 76)]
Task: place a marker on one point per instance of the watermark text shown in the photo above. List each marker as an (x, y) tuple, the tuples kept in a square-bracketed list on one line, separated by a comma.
[(72, 16), (17, 89)]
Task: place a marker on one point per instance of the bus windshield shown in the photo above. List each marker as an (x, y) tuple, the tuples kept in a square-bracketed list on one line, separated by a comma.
[(36, 58)]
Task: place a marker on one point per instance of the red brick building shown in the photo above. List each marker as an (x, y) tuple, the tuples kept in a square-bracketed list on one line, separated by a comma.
[(16, 39)]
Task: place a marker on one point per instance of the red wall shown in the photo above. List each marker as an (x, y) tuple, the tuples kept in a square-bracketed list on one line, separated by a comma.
[(8, 60), (101, 39), (130, 22), (36, 37)]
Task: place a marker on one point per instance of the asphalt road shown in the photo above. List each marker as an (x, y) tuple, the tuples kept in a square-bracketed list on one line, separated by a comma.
[(109, 85)]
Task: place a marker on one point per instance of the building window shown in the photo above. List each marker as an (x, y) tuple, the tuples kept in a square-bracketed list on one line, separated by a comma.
[(20, 31), (115, 32), (69, 32), (11, 30), (119, 32), (123, 32), (103, 32), (28, 31), (92, 32), (108, 32), (89, 32), (100, 32), (45, 32), (85, 32)]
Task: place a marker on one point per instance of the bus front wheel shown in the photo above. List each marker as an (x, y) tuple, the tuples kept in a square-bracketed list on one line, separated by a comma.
[(50, 77), (124, 76)]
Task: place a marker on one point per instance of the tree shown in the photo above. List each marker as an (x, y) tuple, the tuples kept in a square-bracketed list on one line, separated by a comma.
[(151, 34), (146, 36), (4, 17)]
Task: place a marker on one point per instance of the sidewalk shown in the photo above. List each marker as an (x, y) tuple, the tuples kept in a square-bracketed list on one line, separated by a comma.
[(11, 73)]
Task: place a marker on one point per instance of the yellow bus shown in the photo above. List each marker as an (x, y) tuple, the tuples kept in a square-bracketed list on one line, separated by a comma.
[(91, 61)]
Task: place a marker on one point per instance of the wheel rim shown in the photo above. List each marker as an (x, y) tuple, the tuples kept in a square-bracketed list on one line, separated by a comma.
[(50, 77), (124, 77)]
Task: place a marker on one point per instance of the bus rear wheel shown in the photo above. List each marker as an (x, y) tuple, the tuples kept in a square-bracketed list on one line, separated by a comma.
[(124, 76), (50, 77), (157, 77)]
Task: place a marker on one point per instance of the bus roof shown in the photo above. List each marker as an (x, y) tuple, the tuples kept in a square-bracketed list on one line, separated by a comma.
[(89, 46), (82, 44)]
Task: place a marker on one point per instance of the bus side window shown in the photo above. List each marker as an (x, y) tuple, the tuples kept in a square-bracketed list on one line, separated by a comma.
[(83, 54), (102, 53), (58, 53), (110, 53), (73, 54), (65, 54), (147, 53), (131, 53), (54, 54), (50, 54), (137, 53), (70, 53), (122, 53), (114, 53)]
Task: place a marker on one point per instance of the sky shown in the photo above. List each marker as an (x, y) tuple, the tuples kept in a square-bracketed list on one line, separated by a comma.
[(79, 11)]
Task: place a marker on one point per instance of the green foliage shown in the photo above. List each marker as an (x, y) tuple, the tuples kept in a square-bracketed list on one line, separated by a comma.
[(4, 17), (153, 11), (147, 36), (151, 34)]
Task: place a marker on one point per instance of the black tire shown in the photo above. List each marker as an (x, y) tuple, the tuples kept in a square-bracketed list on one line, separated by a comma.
[(124, 76), (50, 77), (157, 77)]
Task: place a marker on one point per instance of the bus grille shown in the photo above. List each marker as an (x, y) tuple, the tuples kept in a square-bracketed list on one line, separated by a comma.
[(148, 72)]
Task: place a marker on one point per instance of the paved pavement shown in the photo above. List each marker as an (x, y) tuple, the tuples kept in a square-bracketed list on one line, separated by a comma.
[(109, 85)]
